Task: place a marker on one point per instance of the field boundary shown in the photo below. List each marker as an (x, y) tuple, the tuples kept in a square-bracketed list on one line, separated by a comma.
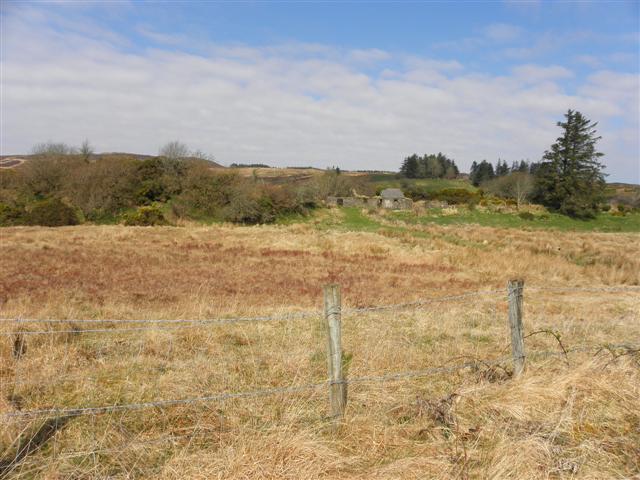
[(336, 381)]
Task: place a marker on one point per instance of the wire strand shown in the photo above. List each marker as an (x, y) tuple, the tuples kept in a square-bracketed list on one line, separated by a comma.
[(195, 323), (78, 411)]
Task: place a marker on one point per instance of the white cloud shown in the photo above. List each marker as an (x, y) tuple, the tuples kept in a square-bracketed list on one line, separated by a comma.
[(502, 32), (537, 73), (162, 38), (294, 104), (588, 60)]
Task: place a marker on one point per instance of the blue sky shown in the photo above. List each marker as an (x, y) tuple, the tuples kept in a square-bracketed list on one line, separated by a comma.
[(355, 84)]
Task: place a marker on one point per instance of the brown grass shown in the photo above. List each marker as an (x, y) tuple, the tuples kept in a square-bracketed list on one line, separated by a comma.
[(581, 421)]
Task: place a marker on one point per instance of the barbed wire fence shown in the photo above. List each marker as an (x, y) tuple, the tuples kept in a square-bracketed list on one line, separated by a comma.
[(337, 381)]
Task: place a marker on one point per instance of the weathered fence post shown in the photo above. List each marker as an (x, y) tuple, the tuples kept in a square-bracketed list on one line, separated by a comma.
[(333, 321), (515, 288), (19, 346)]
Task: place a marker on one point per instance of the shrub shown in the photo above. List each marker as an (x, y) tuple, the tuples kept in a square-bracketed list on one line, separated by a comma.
[(606, 207), (53, 212), (527, 216), (12, 215), (452, 196), (246, 209), (455, 196), (145, 216), (252, 204)]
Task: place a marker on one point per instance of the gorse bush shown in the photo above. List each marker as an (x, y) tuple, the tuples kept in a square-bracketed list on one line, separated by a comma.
[(452, 196), (263, 204), (146, 216), (52, 212), (12, 215)]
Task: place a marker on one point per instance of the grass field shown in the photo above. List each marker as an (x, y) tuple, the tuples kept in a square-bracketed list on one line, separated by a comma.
[(415, 223), (603, 223), (557, 421), (428, 185)]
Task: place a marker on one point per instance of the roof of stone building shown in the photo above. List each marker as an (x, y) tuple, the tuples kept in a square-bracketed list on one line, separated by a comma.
[(391, 193)]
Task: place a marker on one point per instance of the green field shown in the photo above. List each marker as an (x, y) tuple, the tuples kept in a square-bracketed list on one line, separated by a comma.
[(356, 219), (603, 223), (390, 180)]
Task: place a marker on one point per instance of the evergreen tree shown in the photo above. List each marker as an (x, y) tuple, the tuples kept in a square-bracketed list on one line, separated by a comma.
[(410, 167), (533, 167), (523, 167), (473, 171), (501, 168), (482, 172), (429, 166), (570, 178)]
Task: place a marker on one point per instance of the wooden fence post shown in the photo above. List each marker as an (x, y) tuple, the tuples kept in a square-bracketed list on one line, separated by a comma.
[(515, 288), (333, 322), (19, 346)]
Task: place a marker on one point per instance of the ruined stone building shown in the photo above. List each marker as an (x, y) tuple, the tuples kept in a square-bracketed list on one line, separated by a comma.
[(389, 198)]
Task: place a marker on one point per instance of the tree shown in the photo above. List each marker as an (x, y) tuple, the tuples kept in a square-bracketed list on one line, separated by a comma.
[(52, 148), (516, 185), (429, 166), (174, 150), (86, 150), (570, 179), (483, 172), (501, 168), (410, 166), (524, 167)]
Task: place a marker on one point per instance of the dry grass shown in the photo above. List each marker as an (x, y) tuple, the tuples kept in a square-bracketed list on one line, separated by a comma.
[(581, 421)]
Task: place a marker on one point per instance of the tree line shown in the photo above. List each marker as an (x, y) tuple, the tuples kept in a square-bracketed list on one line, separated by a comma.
[(62, 185), (484, 171), (429, 166), (568, 179)]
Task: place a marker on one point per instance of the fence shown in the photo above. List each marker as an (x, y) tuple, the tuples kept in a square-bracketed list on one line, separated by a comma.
[(337, 381)]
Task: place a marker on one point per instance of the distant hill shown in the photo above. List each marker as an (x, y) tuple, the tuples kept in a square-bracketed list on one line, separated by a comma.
[(623, 194), (12, 161)]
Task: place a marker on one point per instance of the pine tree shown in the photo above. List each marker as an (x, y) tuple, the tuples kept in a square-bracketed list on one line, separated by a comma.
[(410, 166), (429, 166), (501, 168), (524, 167), (570, 179), (481, 172)]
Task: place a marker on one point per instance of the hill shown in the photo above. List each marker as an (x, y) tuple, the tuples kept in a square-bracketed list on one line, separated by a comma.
[(13, 161)]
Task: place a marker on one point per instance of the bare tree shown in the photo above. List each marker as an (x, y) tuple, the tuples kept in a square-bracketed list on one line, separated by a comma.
[(523, 187), (516, 185), (174, 150), (86, 150), (200, 155), (53, 148)]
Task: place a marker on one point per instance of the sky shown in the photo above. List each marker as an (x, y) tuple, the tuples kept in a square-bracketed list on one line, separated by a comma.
[(360, 85)]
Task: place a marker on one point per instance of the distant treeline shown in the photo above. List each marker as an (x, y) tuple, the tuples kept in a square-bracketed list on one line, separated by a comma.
[(249, 165), (429, 166), (68, 188), (484, 171)]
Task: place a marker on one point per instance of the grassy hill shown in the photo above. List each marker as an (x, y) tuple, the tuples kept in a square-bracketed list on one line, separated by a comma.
[(12, 161), (392, 180)]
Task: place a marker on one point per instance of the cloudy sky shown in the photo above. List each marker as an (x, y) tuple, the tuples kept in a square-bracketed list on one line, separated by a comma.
[(358, 85)]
